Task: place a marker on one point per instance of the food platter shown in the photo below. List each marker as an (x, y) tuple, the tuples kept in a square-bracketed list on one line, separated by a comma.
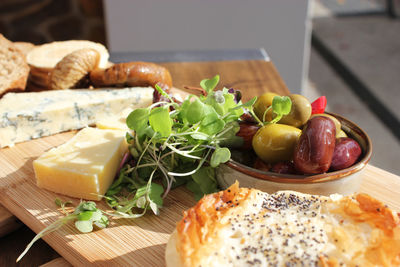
[(136, 242), (141, 241)]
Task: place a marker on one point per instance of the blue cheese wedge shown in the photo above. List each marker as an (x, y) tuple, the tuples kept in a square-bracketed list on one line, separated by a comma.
[(26, 116)]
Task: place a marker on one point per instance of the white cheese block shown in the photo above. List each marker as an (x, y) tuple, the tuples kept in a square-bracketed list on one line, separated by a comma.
[(85, 166), (25, 116)]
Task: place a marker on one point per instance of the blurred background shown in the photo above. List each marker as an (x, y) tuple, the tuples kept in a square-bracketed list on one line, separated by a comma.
[(348, 50)]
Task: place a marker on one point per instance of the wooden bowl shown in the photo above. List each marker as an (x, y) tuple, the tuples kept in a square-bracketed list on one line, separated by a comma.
[(345, 182)]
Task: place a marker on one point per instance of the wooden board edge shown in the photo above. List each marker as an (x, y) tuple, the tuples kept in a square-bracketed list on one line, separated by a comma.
[(8, 222), (57, 262)]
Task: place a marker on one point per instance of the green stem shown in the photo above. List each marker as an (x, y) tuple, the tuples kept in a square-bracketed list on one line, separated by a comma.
[(255, 117), (277, 118), (51, 228), (266, 111), (193, 171)]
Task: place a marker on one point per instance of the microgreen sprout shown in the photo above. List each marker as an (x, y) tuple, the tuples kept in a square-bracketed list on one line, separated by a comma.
[(85, 215), (177, 147), (281, 105)]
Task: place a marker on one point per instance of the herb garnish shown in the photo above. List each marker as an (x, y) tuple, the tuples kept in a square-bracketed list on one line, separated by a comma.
[(85, 215), (177, 144)]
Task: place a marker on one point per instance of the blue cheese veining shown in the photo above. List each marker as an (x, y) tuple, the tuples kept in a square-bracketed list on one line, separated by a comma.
[(26, 116)]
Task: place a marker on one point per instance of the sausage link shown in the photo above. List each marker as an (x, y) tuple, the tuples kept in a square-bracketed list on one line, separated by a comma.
[(132, 74)]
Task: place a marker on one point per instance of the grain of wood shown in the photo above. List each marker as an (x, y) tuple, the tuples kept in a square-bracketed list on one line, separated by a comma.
[(58, 262), (252, 77)]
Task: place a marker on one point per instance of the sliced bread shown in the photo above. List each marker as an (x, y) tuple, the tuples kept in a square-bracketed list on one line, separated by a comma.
[(48, 55), (24, 47), (14, 70)]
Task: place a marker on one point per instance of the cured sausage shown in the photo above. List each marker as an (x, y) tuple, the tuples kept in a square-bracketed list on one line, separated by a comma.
[(132, 74)]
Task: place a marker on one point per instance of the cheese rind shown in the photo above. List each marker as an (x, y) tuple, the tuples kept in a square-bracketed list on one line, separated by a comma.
[(26, 116), (83, 167)]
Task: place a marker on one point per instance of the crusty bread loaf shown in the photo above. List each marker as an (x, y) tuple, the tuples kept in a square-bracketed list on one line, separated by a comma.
[(24, 47), (44, 58), (48, 55), (14, 70), (247, 227), (73, 68)]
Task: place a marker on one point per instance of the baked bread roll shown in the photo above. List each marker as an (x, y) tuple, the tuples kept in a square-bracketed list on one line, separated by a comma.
[(24, 47), (48, 55), (247, 227), (14, 70), (73, 68), (43, 59)]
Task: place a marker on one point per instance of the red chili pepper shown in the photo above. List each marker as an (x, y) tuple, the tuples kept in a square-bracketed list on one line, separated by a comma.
[(319, 105)]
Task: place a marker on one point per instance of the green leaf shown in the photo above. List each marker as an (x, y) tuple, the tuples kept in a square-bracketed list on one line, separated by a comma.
[(219, 97), (84, 226), (85, 206), (195, 188), (220, 155), (138, 119), (250, 103), (163, 93), (97, 215), (58, 202), (205, 179), (230, 105), (155, 193), (154, 208), (183, 110), (88, 205), (211, 101), (61, 203), (210, 84), (211, 124), (229, 138), (233, 142), (195, 111), (141, 202), (102, 223), (160, 121), (200, 136), (129, 138), (85, 215), (281, 105)]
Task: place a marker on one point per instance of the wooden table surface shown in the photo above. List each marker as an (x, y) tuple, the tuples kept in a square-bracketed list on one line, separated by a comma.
[(251, 77)]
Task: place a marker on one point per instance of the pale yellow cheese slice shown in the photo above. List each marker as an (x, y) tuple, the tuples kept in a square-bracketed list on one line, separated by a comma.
[(83, 167), (115, 122)]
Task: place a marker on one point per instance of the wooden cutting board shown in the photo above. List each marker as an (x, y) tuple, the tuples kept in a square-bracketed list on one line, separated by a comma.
[(139, 242), (125, 242)]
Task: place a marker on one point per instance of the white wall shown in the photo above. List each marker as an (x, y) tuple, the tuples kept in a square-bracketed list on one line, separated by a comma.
[(169, 25)]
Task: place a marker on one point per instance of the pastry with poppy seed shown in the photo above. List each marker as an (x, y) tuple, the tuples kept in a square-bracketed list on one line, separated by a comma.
[(247, 227)]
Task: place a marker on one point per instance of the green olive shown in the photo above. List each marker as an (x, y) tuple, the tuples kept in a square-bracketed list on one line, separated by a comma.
[(275, 142), (262, 103), (338, 125), (299, 113)]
